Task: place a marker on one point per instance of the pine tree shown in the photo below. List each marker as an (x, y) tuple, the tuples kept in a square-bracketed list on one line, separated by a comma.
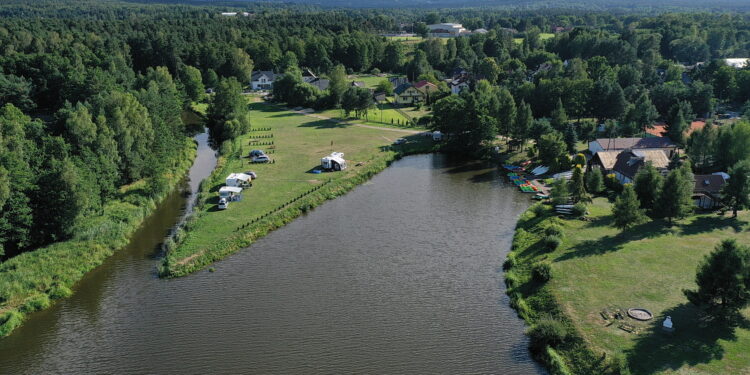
[(571, 138), (594, 181), (577, 185), (723, 281), (559, 192), (626, 210), (559, 119), (675, 199), (647, 184), (736, 192)]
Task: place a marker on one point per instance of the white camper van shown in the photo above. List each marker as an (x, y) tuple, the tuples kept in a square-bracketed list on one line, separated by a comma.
[(333, 162), (437, 136)]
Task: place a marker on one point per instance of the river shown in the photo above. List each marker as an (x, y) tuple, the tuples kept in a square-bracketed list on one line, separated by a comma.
[(401, 275)]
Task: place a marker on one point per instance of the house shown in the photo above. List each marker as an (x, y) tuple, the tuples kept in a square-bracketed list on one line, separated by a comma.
[(407, 94), (458, 85), (737, 63), (414, 93), (660, 129), (605, 161), (308, 76), (398, 81), (262, 80), (707, 190), (480, 31), (630, 161), (447, 30), (622, 144), (320, 83)]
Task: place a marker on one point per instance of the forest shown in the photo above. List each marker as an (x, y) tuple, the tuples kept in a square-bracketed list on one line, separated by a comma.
[(89, 90)]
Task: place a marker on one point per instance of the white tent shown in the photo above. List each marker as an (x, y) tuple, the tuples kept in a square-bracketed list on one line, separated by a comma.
[(238, 179), (231, 193), (564, 175)]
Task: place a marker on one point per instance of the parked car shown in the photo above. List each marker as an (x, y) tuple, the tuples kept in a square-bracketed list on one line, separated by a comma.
[(255, 153), (399, 141), (252, 174), (223, 204), (260, 159)]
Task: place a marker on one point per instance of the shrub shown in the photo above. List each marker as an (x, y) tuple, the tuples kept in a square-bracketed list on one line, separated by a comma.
[(539, 210), (511, 280), (519, 304), (510, 262), (618, 365), (547, 331), (36, 303), (10, 321), (579, 209), (59, 291), (169, 245), (551, 243), (541, 271), (556, 363), (554, 230)]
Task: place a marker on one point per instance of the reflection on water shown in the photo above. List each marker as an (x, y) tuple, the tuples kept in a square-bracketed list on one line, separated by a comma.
[(402, 275)]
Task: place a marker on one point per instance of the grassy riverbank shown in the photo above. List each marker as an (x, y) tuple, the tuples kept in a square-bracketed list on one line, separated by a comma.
[(33, 280), (598, 267), (285, 189)]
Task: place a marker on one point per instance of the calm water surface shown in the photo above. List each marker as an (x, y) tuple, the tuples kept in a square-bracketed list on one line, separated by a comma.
[(402, 275)]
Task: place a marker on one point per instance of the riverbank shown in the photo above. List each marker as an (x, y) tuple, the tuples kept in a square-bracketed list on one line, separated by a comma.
[(33, 280), (598, 270), (284, 189)]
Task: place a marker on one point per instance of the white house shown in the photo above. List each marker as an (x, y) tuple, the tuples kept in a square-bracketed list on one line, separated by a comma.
[(447, 30), (262, 80), (737, 63), (458, 85)]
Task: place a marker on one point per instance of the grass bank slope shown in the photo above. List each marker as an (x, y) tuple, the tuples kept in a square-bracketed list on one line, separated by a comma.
[(284, 189), (599, 267)]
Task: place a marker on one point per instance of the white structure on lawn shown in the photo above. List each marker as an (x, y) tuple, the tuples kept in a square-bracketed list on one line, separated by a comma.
[(447, 30), (262, 80)]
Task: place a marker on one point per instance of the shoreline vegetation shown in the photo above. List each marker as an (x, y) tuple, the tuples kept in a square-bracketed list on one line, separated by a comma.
[(285, 189), (569, 293), (34, 280)]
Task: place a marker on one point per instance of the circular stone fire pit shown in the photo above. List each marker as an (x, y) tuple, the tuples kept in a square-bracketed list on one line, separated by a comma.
[(640, 314)]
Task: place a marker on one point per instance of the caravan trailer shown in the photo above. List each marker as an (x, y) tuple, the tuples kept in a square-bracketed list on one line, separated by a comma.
[(333, 162)]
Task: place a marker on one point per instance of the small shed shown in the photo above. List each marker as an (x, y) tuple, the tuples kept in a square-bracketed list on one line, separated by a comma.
[(707, 190), (231, 193), (239, 180)]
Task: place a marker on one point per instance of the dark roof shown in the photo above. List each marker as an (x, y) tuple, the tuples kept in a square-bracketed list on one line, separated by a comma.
[(629, 162), (635, 143), (402, 87), (320, 83), (268, 73), (397, 81), (379, 96), (708, 183), (358, 84)]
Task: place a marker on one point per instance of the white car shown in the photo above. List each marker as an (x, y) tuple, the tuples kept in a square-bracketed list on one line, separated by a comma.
[(223, 204), (399, 141), (260, 159)]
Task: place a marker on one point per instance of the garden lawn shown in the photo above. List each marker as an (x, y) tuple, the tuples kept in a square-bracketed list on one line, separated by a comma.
[(648, 266), (300, 142), (387, 117)]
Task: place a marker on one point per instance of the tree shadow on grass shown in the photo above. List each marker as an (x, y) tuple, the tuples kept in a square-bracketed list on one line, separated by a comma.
[(265, 107), (325, 124), (704, 224), (693, 342), (287, 114), (611, 243)]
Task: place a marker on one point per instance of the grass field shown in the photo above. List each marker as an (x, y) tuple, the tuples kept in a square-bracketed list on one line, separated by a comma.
[(542, 36), (387, 117), (406, 39), (599, 267), (370, 80), (299, 142)]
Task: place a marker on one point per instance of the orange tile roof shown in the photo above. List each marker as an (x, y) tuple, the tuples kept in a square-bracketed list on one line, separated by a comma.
[(660, 129)]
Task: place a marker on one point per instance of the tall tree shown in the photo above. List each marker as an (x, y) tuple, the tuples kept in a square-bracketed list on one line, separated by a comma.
[(522, 124), (723, 281), (578, 185), (675, 199), (193, 82), (228, 113), (559, 118), (736, 191), (626, 210), (594, 181), (338, 83), (647, 184)]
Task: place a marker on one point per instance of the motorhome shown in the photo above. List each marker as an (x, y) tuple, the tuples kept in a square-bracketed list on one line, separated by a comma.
[(333, 162)]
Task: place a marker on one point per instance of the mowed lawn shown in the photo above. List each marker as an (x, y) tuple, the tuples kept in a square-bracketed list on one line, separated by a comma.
[(300, 142), (648, 266), (381, 115)]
